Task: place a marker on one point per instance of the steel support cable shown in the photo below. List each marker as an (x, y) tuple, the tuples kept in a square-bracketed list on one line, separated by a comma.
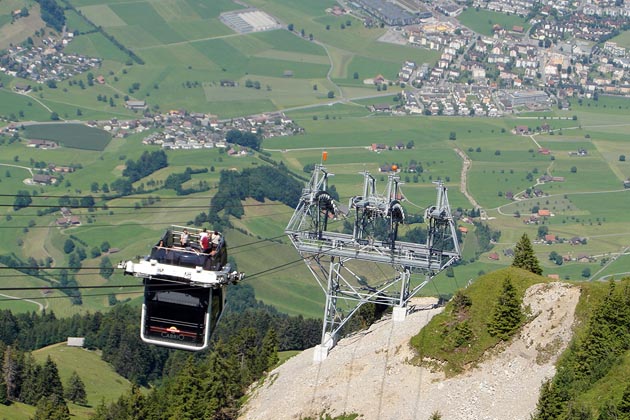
[(100, 206), (135, 212), (249, 277)]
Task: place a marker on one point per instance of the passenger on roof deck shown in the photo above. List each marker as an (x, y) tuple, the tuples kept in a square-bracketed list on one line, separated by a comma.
[(206, 245), (183, 238), (215, 238), (203, 233), (161, 252)]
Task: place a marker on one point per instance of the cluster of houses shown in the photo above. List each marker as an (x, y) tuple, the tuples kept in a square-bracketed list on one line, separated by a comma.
[(185, 131), (439, 35), (51, 174), (452, 100), (67, 218), (523, 69), (45, 63)]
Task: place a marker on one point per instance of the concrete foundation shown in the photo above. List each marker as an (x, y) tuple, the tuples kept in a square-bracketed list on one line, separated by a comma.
[(399, 313), (322, 350)]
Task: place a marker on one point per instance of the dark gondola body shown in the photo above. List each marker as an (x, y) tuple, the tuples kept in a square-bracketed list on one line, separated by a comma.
[(184, 289)]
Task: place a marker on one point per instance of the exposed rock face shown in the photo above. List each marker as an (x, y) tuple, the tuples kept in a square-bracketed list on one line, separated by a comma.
[(368, 373)]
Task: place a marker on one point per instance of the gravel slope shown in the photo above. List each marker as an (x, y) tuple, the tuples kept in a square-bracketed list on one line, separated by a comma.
[(368, 374)]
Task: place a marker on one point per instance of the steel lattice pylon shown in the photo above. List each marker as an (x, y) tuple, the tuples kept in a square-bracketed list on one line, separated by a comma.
[(336, 259)]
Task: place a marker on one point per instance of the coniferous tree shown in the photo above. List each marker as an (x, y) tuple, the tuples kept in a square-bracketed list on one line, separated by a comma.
[(269, 353), (608, 411), (624, 405), (524, 256), (550, 405), (75, 391), (49, 381), (608, 335), (51, 408), (4, 400), (507, 316), (32, 385), (12, 372)]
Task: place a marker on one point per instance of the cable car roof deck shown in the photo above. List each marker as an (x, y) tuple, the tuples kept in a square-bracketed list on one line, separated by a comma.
[(171, 260)]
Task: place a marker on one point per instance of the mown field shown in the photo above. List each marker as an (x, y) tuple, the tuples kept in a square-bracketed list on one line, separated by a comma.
[(75, 136), (483, 21)]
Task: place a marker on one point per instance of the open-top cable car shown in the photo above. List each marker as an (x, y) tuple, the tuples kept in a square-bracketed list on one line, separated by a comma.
[(184, 287)]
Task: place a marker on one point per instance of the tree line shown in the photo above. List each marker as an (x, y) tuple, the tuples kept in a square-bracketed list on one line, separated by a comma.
[(146, 164), (263, 182), (52, 14)]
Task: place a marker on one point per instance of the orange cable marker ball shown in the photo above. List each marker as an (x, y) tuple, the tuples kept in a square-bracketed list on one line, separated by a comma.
[(324, 155), (394, 168)]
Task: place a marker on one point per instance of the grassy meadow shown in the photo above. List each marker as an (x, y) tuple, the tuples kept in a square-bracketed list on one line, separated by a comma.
[(483, 21), (75, 136)]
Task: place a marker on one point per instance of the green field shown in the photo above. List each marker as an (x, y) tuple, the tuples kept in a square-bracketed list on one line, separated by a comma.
[(101, 382), (482, 21), (75, 136)]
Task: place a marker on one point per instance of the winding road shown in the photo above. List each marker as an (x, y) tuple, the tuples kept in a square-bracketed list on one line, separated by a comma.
[(39, 305)]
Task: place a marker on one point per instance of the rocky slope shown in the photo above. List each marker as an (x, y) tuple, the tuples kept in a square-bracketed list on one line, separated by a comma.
[(368, 373)]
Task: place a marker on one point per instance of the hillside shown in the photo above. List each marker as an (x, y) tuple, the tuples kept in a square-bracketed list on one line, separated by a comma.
[(101, 382), (369, 373)]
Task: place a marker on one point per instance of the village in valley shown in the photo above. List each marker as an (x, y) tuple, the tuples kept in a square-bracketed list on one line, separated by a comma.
[(562, 56), (557, 57)]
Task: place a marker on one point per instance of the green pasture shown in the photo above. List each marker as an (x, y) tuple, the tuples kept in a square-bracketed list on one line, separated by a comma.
[(623, 39), (590, 176), (608, 205), (14, 32), (13, 104), (612, 151), (96, 45), (76, 22), (102, 15), (17, 411), (4, 19), (336, 111), (142, 16), (12, 179), (101, 382), (7, 6), (286, 41), (618, 269), (17, 305), (482, 21), (76, 136)]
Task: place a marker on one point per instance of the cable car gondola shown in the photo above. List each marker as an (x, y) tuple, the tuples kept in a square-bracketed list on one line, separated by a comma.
[(184, 288)]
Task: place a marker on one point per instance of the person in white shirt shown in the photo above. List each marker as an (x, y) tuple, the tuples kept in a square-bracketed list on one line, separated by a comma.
[(183, 238)]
